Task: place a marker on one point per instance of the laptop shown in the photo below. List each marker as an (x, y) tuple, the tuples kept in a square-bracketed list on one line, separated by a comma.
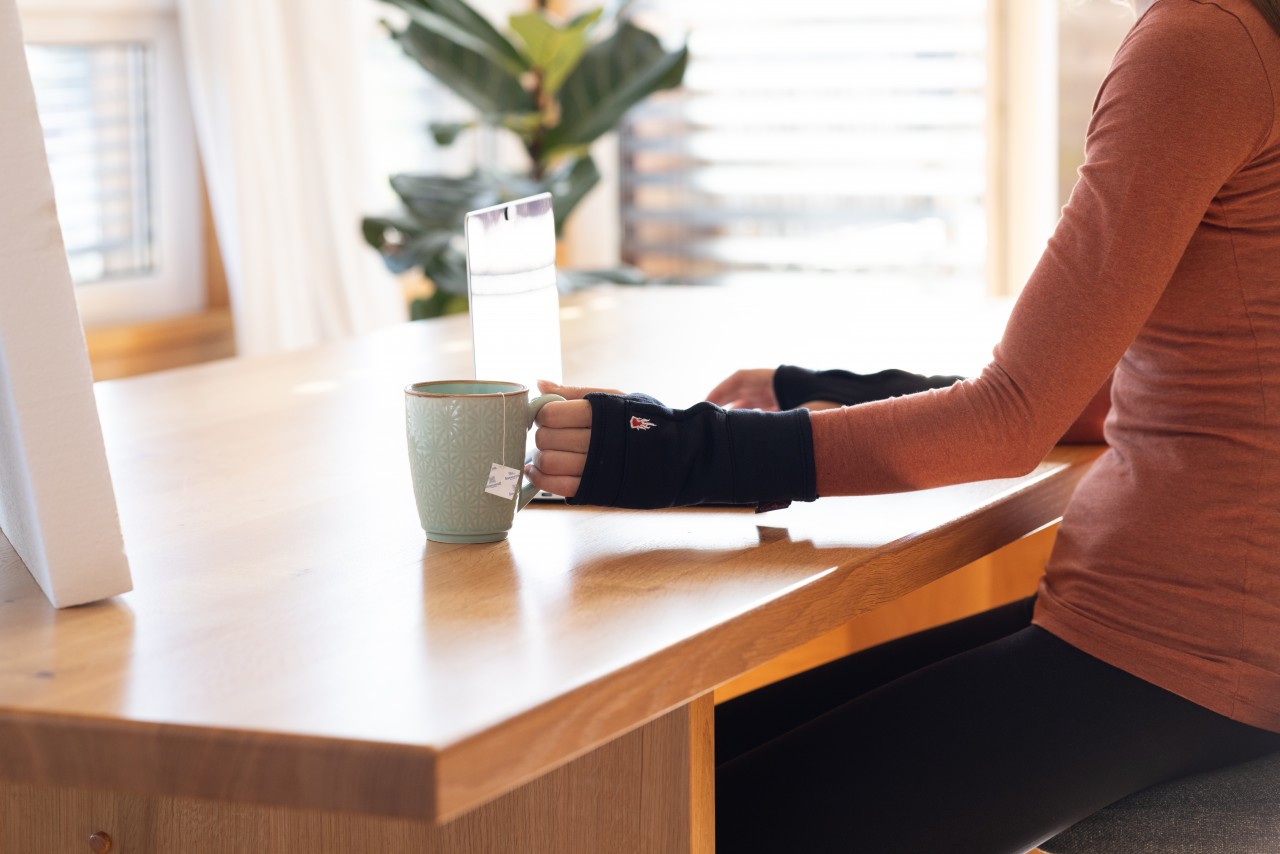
[(511, 287), (514, 302)]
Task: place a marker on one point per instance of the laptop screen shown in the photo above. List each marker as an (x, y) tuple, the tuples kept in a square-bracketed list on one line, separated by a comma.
[(511, 284)]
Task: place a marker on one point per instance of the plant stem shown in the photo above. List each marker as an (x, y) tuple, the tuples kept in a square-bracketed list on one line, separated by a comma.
[(534, 145)]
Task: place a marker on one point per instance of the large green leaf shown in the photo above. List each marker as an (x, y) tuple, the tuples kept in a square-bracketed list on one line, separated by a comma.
[(456, 17), (440, 202), (439, 304), (511, 186), (568, 184), (552, 49), (446, 133), (403, 244), (377, 228), (613, 76), (524, 125), (609, 14), (447, 270), (539, 35), (573, 280), (420, 252), (472, 75)]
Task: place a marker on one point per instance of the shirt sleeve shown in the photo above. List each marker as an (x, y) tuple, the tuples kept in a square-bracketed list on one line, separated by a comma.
[(1185, 105)]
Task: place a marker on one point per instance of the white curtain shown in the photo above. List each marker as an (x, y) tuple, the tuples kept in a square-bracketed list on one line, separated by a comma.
[(275, 90)]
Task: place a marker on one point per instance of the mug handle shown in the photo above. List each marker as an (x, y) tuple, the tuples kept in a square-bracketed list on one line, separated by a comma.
[(528, 490)]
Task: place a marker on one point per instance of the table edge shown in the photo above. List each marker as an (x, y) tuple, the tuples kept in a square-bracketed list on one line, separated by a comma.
[(438, 783), (594, 714)]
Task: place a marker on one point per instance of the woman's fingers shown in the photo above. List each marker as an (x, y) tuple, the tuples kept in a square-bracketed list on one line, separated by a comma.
[(560, 463), (574, 439), (728, 391), (571, 392), (558, 484), (750, 388), (563, 437), (572, 414)]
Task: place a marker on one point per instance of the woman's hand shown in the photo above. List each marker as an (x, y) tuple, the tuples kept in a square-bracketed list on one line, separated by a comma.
[(563, 437), (751, 388)]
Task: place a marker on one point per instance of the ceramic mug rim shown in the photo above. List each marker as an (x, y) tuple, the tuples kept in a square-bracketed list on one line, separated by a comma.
[(512, 388)]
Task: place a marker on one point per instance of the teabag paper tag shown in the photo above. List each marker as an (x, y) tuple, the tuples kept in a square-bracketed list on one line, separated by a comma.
[(503, 481)]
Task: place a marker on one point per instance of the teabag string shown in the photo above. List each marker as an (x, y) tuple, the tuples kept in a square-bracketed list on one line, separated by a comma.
[(504, 481)]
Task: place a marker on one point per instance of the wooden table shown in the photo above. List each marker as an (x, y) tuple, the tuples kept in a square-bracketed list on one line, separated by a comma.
[(299, 670)]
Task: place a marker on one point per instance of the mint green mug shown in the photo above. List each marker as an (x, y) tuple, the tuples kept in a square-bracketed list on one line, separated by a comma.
[(467, 437)]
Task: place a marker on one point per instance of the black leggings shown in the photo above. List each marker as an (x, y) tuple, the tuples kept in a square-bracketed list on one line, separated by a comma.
[(987, 735)]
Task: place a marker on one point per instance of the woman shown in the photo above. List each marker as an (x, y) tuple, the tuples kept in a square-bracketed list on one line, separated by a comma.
[(1152, 649)]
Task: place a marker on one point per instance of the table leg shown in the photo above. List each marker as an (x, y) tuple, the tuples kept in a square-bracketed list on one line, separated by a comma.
[(648, 792), (678, 780)]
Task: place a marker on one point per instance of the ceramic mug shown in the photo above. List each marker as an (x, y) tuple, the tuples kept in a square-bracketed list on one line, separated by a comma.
[(457, 430)]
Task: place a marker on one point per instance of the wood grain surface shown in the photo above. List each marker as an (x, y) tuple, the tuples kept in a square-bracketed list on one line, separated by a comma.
[(632, 796), (294, 641)]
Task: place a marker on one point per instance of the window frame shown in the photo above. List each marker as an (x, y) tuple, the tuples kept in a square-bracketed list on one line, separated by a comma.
[(176, 284), (1022, 134)]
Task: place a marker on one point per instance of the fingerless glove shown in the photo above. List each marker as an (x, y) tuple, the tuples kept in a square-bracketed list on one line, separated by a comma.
[(794, 386), (645, 455)]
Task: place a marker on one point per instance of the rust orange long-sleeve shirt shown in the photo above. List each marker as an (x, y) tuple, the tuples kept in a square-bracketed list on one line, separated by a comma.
[(1164, 269)]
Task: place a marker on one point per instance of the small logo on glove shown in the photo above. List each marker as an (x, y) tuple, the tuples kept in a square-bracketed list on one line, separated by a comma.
[(638, 423)]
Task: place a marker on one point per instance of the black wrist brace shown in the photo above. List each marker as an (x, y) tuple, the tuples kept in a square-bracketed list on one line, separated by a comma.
[(794, 386), (644, 455)]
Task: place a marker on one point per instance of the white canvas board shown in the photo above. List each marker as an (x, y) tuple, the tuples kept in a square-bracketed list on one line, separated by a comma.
[(57, 507)]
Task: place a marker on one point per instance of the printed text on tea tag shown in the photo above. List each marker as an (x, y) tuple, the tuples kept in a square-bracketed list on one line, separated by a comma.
[(503, 481)]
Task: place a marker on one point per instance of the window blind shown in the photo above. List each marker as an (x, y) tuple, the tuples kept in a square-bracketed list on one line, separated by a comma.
[(93, 106), (812, 135)]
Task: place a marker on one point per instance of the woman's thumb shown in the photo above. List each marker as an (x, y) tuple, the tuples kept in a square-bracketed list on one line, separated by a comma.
[(571, 392)]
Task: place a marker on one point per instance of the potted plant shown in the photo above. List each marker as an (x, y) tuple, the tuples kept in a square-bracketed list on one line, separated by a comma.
[(557, 85)]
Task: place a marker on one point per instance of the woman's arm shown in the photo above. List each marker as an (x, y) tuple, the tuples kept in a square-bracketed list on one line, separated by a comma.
[(1087, 428), (791, 387), (1187, 103)]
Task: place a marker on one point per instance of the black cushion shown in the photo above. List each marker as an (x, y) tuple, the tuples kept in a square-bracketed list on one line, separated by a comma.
[(1235, 810)]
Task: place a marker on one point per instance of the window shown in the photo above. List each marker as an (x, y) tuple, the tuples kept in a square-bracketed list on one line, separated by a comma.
[(112, 99), (400, 102), (92, 101), (1089, 36), (814, 136), (923, 140)]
